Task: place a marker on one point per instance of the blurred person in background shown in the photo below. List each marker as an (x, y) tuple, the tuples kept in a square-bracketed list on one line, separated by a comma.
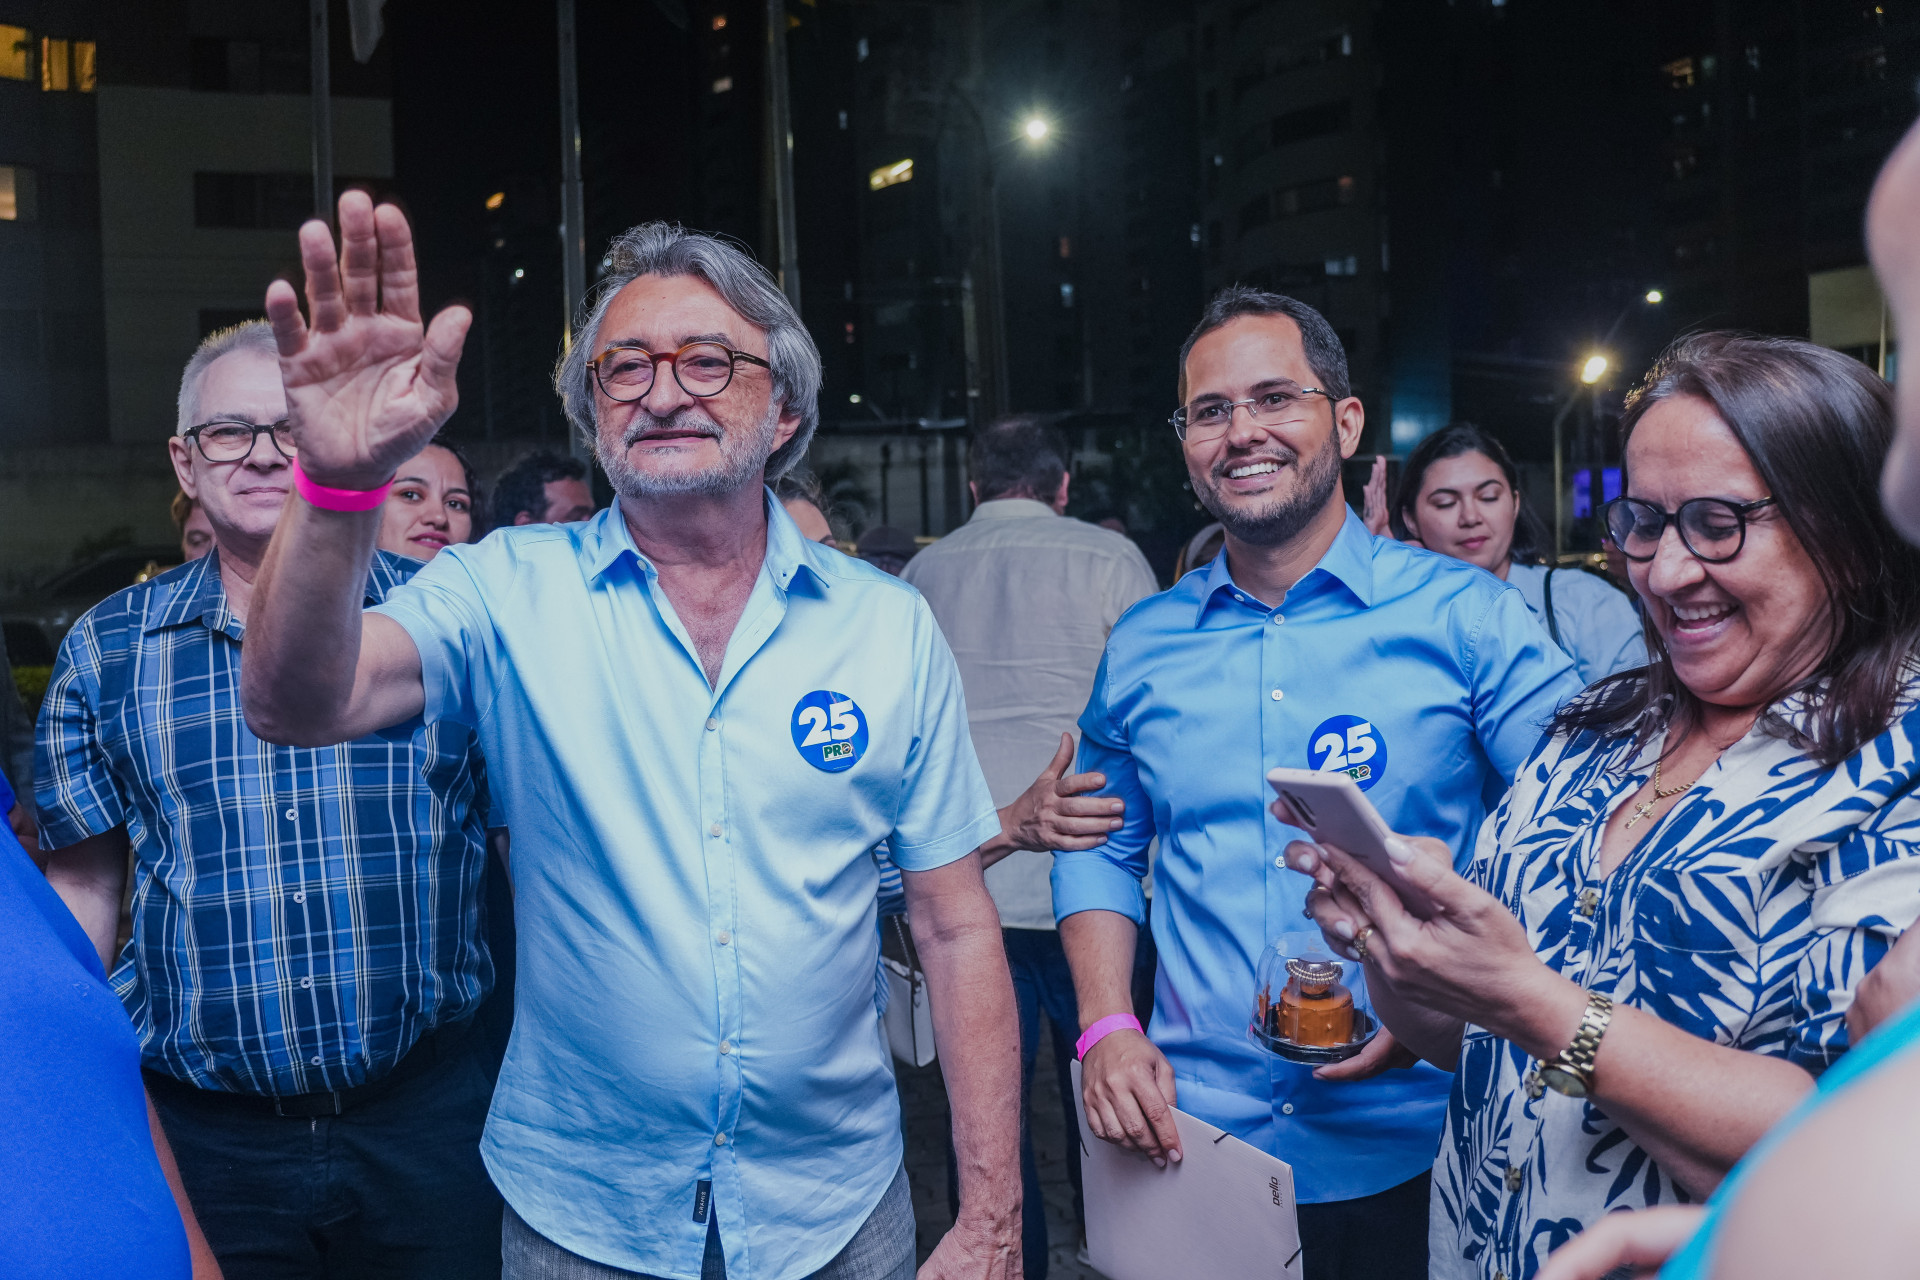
[(1459, 495), (1026, 596), (306, 956), (804, 500), (1199, 550), (542, 487), (432, 502), (1307, 643), (1658, 943), (886, 548), (196, 535)]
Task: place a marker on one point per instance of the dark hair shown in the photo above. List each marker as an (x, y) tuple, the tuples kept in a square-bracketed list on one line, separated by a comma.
[(442, 440), (1451, 441), (804, 486), (1816, 425), (1022, 456), (1325, 355), (523, 486)]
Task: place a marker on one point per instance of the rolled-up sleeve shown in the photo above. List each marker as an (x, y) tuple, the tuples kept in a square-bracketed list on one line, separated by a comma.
[(946, 811), (1109, 877), (443, 609), (1866, 893), (75, 789)]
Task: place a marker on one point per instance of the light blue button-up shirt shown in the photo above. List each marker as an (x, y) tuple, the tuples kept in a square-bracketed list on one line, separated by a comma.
[(693, 891), (1425, 678)]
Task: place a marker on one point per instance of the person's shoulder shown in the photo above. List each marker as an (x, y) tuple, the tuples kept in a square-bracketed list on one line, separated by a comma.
[(1587, 587), (867, 583), (1402, 570), (1175, 605), (127, 612)]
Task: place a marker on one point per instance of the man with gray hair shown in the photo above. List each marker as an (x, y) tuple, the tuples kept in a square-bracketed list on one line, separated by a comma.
[(701, 724), (306, 954)]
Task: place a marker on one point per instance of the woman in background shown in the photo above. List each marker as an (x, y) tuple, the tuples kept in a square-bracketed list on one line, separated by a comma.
[(432, 502), (1460, 496)]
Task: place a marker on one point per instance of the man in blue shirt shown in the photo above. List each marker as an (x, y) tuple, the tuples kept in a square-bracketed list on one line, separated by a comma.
[(307, 956), (701, 723), (1308, 643)]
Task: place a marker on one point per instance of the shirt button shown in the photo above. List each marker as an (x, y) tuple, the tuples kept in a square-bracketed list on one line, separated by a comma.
[(1281, 862), (712, 723), (1237, 596), (1278, 619), (723, 937), (1278, 694), (305, 983), (301, 896), (714, 830), (726, 1047), (1286, 1108), (316, 1061), (719, 1139), (290, 815)]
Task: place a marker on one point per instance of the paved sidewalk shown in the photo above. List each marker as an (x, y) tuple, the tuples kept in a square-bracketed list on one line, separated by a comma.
[(923, 1104)]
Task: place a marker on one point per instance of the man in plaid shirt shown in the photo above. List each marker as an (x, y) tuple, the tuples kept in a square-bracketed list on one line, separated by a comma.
[(306, 953)]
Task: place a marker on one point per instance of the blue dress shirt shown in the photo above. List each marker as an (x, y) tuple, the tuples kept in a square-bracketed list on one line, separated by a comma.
[(1425, 679), (692, 882)]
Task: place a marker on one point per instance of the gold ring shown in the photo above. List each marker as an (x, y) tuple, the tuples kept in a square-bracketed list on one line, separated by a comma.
[(1360, 943)]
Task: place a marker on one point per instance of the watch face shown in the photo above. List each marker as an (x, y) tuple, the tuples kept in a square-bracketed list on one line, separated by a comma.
[(1561, 1080)]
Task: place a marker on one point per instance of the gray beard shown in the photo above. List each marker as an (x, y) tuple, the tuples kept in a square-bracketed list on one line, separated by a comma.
[(1284, 518), (743, 457)]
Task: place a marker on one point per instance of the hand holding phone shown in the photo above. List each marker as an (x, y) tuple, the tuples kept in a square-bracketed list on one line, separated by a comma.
[(1332, 810)]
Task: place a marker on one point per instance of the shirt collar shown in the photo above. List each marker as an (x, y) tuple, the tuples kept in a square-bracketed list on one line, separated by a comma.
[(789, 552), (1012, 509), (1348, 562)]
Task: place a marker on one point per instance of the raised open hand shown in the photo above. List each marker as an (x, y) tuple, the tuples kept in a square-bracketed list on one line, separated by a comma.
[(366, 385)]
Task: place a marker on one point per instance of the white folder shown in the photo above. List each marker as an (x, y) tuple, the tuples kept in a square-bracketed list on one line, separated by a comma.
[(1226, 1209)]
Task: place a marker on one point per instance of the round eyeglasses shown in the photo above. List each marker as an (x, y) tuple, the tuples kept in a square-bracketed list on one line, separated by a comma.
[(1713, 529), (701, 368), (230, 440), (1275, 407)]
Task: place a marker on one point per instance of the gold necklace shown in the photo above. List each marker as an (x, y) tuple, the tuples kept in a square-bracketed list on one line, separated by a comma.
[(1645, 807)]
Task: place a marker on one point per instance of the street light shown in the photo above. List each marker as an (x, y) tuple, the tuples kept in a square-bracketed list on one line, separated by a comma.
[(1036, 129), (1594, 369), (1655, 297)]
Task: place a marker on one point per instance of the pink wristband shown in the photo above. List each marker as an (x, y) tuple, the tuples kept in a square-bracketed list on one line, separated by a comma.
[(327, 499), (1100, 1030)]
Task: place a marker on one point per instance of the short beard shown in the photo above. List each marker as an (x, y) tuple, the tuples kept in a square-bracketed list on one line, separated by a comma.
[(743, 456), (1285, 515)]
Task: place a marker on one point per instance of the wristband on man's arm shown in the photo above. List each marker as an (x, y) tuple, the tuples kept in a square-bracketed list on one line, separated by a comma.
[(1100, 1030), (328, 498)]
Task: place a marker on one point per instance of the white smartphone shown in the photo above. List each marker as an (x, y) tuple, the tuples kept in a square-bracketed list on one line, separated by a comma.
[(1335, 811)]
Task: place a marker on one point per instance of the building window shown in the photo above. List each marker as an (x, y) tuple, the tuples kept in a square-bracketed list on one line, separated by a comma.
[(723, 85), (18, 194), (889, 175), (16, 53), (1311, 122), (67, 65), (1680, 73)]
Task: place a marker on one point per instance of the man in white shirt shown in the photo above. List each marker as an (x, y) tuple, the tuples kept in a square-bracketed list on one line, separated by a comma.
[(1026, 597)]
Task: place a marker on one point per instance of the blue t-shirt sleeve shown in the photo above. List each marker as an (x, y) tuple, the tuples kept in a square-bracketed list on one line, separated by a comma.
[(74, 789), (1619, 641), (444, 609), (1517, 679), (946, 811), (1107, 878)]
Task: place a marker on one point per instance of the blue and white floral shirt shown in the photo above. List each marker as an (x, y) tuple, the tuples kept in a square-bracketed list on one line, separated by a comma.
[(1747, 915)]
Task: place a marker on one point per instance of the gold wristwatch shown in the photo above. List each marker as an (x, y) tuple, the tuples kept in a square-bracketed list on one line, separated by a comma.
[(1572, 1072)]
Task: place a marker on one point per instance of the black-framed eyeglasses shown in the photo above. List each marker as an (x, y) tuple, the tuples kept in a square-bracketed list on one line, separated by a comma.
[(230, 439), (701, 368), (1713, 529), (1274, 407)]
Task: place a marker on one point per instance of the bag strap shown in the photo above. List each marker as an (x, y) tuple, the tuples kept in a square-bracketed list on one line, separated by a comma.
[(1553, 623), (908, 951)]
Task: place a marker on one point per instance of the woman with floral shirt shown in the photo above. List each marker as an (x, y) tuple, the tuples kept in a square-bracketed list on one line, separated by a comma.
[(1652, 955)]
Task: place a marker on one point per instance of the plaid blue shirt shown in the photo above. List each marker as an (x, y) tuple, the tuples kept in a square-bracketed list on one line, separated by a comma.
[(300, 917)]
